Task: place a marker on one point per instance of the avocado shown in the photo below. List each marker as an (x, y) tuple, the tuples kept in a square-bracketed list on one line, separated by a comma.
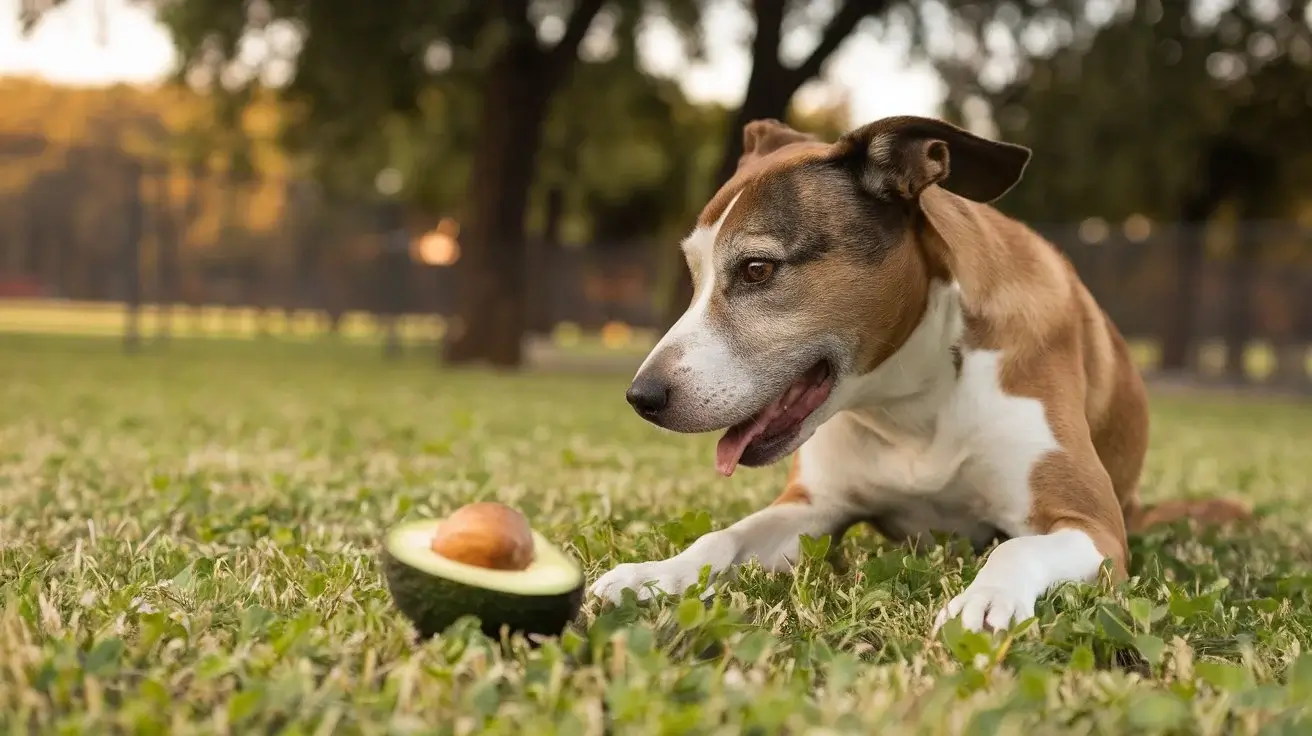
[(434, 591)]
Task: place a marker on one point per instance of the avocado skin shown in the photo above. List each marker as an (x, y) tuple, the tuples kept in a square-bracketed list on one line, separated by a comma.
[(433, 603)]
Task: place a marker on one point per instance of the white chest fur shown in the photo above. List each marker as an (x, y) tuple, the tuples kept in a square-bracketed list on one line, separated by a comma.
[(924, 449)]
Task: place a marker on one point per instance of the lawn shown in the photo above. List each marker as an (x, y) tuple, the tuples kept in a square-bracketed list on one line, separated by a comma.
[(189, 544)]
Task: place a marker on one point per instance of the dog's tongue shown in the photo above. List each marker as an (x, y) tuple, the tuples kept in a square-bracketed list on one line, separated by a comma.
[(795, 404), (729, 450)]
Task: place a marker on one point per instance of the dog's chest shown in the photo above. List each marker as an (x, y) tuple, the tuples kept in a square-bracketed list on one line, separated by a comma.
[(960, 465)]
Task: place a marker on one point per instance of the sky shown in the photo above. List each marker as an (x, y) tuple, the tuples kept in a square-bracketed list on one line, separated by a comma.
[(69, 47)]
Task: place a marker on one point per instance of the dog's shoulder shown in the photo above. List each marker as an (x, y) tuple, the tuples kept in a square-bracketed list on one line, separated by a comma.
[(1022, 297)]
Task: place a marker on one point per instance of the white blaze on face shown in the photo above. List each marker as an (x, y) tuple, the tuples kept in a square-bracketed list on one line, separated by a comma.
[(708, 383)]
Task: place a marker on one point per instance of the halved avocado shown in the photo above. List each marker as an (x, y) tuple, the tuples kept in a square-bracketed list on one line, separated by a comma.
[(434, 591)]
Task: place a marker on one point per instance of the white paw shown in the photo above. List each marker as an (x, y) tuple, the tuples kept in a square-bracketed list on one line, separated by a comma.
[(672, 577), (992, 606)]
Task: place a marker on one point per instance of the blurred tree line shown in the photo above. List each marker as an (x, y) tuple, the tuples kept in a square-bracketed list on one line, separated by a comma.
[(1197, 113), (60, 143), (209, 175), (532, 121)]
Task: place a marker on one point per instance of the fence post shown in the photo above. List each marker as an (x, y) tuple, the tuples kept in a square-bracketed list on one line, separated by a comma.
[(131, 256), (166, 255), (1180, 333), (394, 260), (197, 177), (1292, 343)]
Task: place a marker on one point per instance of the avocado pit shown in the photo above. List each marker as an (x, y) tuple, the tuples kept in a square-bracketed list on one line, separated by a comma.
[(486, 534)]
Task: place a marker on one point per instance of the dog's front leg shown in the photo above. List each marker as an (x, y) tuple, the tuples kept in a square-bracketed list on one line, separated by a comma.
[(1075, 520), (772, 536), (1018, 572)]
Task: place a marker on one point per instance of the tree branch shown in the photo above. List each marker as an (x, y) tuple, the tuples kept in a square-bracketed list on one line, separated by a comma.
[(514, 12), (576, 28), (838, 29), (769, 31)]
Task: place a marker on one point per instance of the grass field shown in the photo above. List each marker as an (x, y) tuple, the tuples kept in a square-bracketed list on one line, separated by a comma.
[(189, 544)]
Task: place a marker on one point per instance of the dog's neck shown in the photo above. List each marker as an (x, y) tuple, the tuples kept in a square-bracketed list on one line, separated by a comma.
[(905, 392)]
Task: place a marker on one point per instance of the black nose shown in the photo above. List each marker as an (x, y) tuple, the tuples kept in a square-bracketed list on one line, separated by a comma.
[(649, 396)]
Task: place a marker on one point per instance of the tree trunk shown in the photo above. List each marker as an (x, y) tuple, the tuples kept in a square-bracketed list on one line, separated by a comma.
[(490, 300)]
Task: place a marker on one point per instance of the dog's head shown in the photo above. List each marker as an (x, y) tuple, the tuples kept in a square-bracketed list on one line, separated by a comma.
[(808, 270)]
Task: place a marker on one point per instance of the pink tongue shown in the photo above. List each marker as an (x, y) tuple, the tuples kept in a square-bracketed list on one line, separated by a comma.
[(729, 450)]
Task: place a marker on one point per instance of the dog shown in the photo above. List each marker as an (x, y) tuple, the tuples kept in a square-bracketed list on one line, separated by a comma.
[(932, 365)]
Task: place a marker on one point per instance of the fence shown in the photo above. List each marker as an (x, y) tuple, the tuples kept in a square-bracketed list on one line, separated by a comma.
[(108, 228), (1204, 297)]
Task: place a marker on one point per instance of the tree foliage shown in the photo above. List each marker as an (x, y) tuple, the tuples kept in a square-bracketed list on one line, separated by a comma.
[(82, 135), (1181, 111), (1126, 114)]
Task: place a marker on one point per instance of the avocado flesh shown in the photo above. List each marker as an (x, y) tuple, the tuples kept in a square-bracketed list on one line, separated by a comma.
[(434, 591)]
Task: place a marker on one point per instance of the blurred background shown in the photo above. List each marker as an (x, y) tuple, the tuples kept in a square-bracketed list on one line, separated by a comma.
[(500, 181)]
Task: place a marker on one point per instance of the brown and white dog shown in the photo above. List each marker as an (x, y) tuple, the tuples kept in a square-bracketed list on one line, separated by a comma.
[(934, 364)]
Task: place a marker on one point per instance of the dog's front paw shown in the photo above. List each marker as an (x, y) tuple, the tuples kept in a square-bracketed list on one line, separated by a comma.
[(646, 579), (993, 606)]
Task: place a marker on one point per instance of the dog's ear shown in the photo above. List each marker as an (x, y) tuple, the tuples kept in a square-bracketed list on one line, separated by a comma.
[(904, 155), (764, 137)]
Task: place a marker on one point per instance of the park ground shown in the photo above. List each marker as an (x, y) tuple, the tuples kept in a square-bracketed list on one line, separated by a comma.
[(189, 543)]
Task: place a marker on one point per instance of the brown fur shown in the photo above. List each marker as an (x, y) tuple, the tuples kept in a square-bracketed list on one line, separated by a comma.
[(1020, 295), (871, 296)]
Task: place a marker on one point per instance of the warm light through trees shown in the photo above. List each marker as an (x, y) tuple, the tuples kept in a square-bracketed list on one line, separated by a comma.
[(439, 246)]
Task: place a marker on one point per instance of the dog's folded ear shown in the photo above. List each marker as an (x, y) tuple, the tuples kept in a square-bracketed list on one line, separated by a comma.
[(904, 155), (764, 137)]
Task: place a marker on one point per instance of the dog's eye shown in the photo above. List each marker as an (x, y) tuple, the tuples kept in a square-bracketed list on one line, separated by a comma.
[(754, 272)]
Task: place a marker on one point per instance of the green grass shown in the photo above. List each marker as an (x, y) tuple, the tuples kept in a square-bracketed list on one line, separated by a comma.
[(189, 544)]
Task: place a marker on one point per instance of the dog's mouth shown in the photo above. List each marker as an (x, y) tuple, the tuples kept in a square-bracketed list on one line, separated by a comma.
[(759, 439)]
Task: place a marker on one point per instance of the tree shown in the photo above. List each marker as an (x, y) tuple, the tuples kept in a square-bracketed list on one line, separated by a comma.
[(520, 82), (360, 67), (497, 47), (364, 64), (772, 82), (77, 138)]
